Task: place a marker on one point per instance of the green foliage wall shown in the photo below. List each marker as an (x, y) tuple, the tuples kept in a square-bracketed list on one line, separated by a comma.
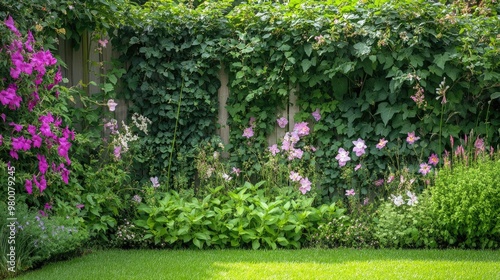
[(173, 53), (359, 66)]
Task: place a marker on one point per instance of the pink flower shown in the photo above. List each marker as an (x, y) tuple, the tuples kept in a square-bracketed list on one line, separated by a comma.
[(359, 147), (29, 42), (42, 184), (47, 206), (350, 192), (20, 143), (112, 105), (305, 185), (248, 132), (251, 122), (460, 151), (29, 186), (479, 145), (357, 167), (37, 141), (295, 153), (236, 171), (103, 43), (274, 149), (80, 206), (301, 128), (282, 122), (295, 176), (1, 139), (433, 159), (17, 127), (424, 168), (390, 179), (381, 143), (9, 22), (155, 182), (65, 175), (3, 116), (379, 182), (117, 152), (316, 115), (42, 163), (342, 157), (411, 138)]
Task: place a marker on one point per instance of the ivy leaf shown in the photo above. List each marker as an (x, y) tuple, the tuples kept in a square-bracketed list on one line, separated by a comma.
[(361, 49), (306, 64), (112, 78), (441, 59), (308, 49), (386, 112)]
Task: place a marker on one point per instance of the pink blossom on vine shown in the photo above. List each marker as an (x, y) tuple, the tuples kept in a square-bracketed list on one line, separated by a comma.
[(301, 128), (412, 138), (282, 122), (274, 149), (28, 45), (9, 22), (28, 185), (433, 159), (305, 185), (342, 157), (381, 143), (359, 147), (248, 132), (316, 114), (17, 127), (350, 192), (42, 163)]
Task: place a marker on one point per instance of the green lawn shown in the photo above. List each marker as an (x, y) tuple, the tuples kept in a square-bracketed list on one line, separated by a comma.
[(280, 264)]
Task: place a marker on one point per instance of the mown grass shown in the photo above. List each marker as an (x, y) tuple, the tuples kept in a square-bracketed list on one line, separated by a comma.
[(279, 264)]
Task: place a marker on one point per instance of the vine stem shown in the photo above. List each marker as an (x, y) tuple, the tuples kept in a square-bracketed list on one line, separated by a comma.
[(175, 133)]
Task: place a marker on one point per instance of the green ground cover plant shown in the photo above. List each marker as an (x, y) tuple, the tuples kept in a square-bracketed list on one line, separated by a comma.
[(277, 264)]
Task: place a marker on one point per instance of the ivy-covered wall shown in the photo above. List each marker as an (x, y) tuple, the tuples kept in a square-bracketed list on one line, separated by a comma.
[(374, 72)]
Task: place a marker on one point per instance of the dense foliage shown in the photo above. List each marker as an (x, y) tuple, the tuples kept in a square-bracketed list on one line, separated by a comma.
[(374, 71)]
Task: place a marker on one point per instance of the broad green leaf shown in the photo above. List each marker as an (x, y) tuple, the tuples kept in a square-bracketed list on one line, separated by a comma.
[(495, 95), (308, 49), (386, 112)]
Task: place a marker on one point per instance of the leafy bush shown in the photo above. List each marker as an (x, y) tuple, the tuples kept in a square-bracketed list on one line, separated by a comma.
[(38, 238), (405, 226), (245, 217), (346, 231), (465, 204)]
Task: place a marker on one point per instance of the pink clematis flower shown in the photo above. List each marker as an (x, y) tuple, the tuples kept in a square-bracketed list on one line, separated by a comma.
[(316, 115), (359, 147), (433, 159), (282, 122), (381, 143), (411, 138), (248, 132), (112, 105), (350, 192)]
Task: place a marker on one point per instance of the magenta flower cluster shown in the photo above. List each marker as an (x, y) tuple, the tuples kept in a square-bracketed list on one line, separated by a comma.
[(29, 69)]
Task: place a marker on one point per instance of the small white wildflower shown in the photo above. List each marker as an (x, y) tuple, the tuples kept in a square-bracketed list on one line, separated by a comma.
[(398, 200), (413, 198), (226, 177)]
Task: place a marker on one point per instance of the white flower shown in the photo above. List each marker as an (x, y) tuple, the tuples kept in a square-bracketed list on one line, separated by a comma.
[(226, 177), (216, 155), (413, 198), (398, 200), (141, 122)]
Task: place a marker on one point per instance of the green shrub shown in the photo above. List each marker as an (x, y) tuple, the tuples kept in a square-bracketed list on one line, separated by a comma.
[(345, 231), (245, 217), (37, 239), (466, 204), (405, 226)]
